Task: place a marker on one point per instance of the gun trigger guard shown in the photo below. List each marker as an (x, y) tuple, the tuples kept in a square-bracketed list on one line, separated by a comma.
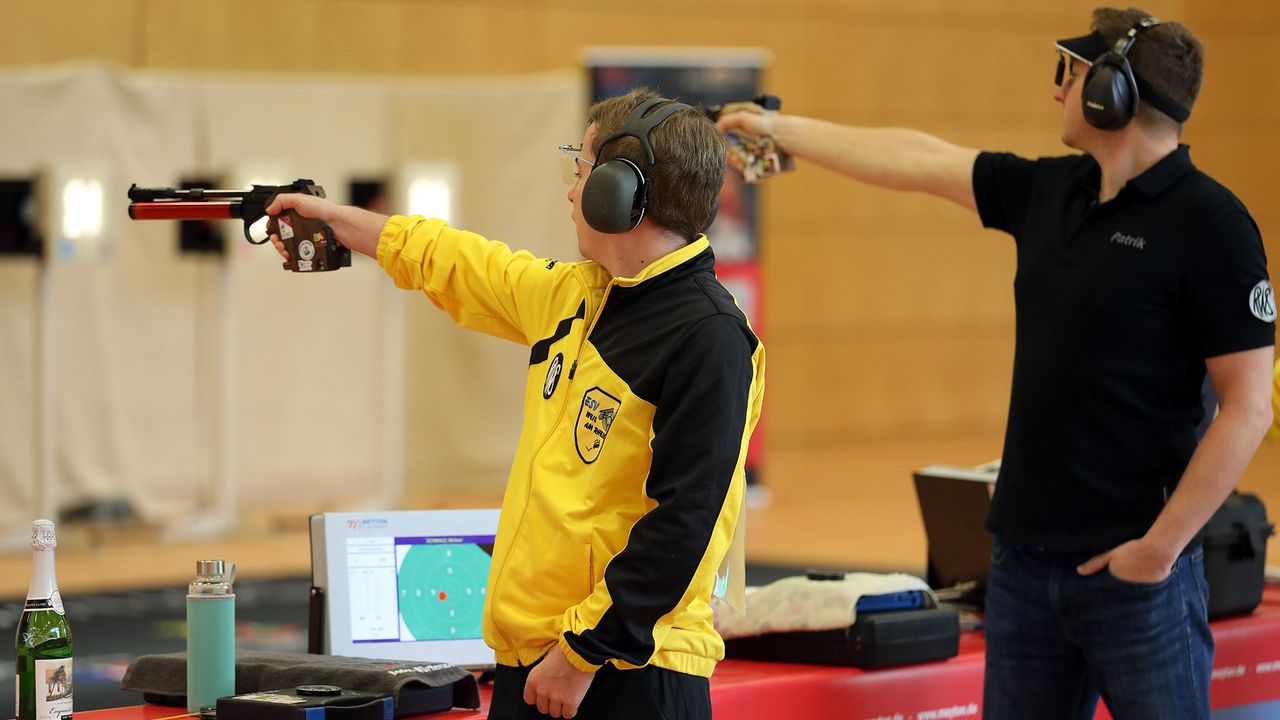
[(248, 224)]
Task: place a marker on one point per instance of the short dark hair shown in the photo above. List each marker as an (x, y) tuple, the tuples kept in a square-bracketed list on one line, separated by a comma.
[(1167, 56), (689, 161)]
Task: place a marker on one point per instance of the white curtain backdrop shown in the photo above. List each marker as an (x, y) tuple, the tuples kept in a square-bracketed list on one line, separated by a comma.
[(191, 385)]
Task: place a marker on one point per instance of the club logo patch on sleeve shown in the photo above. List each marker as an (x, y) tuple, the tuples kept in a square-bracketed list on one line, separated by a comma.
[(553, 376), (595, 417), (1262, 302)]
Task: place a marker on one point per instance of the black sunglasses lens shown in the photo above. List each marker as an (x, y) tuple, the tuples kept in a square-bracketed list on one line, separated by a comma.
[(1062, 68)]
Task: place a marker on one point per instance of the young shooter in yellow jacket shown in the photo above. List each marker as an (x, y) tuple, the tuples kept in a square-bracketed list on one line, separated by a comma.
[(644, 384)]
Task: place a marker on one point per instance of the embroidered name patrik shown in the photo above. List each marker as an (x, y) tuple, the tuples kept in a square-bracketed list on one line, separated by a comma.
[(1134, 242)]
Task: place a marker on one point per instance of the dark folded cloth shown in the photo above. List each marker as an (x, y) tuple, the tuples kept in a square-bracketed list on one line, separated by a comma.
[(415, 686)]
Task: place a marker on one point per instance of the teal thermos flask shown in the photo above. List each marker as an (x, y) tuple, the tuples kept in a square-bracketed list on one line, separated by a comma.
[(211, 635)]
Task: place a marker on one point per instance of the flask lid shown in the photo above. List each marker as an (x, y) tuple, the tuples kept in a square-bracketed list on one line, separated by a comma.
[(42, 536), (211, 568)]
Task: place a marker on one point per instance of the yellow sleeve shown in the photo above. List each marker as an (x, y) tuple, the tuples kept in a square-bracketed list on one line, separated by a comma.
[(1273, 432), (480, 283)]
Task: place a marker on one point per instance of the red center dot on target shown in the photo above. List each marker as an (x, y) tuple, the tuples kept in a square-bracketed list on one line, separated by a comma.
[(443, 596)]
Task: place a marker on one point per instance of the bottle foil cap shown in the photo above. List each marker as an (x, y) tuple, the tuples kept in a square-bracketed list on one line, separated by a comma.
[(42, 537)]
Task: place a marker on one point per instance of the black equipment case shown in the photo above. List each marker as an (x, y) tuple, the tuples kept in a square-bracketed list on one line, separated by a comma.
[(1235, 554), (875, 640), (308, 702)]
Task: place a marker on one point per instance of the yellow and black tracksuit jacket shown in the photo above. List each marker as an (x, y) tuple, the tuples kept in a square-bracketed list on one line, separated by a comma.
[(628, 478)]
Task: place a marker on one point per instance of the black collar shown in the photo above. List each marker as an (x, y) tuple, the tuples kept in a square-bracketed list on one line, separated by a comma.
[(1160, 176), (1155, 180)]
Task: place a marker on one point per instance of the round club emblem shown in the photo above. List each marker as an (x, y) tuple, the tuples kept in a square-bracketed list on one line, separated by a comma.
[(553, 376), (306, 250), (1262, 302)]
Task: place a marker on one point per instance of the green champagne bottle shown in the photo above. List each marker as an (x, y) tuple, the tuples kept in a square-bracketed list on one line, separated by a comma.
[(44, 638)]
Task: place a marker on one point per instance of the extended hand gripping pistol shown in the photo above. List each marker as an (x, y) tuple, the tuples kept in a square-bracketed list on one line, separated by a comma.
[(311, 244)]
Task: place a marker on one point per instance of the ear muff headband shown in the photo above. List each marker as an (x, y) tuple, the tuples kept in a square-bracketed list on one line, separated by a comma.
[(616, 192), (1112, 93)]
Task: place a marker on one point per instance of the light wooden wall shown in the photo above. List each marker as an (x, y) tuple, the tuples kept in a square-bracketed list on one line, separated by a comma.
[(888, 316)]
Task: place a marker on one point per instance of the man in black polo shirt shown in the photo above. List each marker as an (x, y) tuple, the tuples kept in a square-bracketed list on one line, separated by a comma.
[(1137, 273)]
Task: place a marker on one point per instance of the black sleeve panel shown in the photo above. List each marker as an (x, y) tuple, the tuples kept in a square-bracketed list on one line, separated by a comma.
[(1232, 308), (542, 348), (1002, 187), (699, 430)]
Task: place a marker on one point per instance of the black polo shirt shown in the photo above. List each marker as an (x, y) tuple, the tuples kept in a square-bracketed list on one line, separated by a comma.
[(1118, 305)]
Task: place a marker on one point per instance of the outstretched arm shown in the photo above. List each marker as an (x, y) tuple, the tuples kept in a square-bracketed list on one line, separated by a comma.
[(893, 158), (481, 283)]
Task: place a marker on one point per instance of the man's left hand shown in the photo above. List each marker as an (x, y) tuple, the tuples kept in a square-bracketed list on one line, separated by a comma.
[(1136, 561), (555, 686)]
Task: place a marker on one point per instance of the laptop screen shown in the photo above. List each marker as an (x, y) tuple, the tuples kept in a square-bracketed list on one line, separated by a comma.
[(406, 585), (953, 505)]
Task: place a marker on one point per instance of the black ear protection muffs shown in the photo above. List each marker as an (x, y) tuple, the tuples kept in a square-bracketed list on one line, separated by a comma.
[(1110, 93), (617, 191), (1110, 96)]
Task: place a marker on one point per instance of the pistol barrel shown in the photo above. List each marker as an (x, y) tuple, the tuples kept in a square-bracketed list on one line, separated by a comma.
[(177, 210)]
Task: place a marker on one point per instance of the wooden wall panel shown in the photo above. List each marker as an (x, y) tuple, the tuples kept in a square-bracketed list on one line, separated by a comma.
[(920, 382), (885, 277), (285, 36), (53, 31)]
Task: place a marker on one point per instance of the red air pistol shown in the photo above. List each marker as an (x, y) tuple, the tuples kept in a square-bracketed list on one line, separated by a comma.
[(311, 245)]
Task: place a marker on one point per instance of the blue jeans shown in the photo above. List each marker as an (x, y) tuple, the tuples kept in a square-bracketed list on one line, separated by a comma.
[(1056, 641)]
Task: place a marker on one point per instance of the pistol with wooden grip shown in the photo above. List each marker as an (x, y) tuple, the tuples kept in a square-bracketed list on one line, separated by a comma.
[(311, 244)]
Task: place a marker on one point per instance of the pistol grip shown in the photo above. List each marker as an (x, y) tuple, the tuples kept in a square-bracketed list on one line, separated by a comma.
[(311, 244)]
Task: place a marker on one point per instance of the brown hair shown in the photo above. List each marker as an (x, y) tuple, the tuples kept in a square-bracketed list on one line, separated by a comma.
[(1168, 56), (689, 163)]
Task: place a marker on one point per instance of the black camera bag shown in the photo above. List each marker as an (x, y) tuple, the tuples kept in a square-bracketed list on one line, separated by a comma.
[(1235, 554)]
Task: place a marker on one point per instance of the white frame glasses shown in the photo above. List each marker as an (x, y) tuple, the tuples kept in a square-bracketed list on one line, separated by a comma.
[(572, 171), (1066, 71)]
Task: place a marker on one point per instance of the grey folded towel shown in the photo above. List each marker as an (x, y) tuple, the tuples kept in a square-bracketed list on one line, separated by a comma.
[(163, 678)]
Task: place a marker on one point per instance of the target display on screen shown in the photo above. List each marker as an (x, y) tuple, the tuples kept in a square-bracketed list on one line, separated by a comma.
[(440, 585)]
